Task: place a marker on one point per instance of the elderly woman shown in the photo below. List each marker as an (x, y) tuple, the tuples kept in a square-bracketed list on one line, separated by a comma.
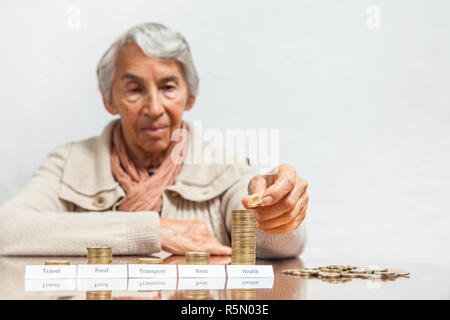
[(125, 189)]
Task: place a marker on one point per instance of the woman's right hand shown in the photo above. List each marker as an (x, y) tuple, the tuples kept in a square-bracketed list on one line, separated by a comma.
[(181, 236)]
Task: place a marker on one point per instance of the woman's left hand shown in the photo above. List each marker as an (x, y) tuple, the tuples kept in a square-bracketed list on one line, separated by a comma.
[(285, 199)]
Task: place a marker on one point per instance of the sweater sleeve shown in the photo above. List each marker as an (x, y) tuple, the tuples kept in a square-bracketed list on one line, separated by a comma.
[(37, 222), (268, 246)]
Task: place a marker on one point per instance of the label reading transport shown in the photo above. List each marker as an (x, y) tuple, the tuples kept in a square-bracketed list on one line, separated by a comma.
[(250, 271), (152, 271), (102, 271), (201, 271), (50, 272)]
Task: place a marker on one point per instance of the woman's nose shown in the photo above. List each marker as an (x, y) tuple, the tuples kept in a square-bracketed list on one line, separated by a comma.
[(152, 106)]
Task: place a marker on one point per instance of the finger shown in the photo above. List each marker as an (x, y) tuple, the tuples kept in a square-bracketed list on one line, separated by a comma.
[(220, 259), (286, 204), (256, 188), (219, 250), (286, 218), (284, 182), (290, 227)]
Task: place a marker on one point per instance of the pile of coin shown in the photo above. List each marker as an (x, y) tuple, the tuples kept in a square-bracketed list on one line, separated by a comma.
[(197, 258), (99, 255), (57, 263), (345, 273), (150, 260), (243, 237)]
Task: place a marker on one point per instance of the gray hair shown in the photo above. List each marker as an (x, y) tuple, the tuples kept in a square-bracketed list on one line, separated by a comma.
[(156, 41)]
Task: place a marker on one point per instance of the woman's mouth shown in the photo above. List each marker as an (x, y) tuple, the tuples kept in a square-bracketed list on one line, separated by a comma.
[(155, 130)]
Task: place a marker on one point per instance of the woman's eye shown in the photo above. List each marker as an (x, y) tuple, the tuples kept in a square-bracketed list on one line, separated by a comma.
[(169, 87), (136, 90)]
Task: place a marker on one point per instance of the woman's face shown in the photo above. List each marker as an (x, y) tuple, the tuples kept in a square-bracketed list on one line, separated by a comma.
[(150, 96)]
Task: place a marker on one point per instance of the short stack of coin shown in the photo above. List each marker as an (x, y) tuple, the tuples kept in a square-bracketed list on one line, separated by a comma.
[(57, 263), (243, 237), (197, 258), (345, 273), (150, 260), (99, 255)]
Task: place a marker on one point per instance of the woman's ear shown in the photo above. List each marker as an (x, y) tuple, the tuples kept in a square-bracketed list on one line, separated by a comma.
[(190, 103), (109, 106)]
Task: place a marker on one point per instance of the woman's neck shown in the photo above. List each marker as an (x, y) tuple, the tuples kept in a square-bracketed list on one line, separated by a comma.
[(149, 161)]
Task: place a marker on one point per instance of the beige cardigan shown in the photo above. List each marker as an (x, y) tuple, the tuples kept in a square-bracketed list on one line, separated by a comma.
[(72, 202)]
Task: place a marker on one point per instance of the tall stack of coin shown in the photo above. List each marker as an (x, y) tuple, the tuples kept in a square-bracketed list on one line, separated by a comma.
[(197, 258), (243, 237), (150, 260), (99, 255)]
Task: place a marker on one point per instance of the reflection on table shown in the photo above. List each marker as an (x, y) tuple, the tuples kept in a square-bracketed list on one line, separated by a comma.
[(425, 282), (14, 286)]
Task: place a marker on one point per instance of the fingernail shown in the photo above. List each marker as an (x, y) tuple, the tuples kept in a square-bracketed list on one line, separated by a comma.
[(267, 200)]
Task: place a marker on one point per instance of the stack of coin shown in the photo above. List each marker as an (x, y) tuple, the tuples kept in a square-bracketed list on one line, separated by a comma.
[(57, 263), (150, 260), (99, 255), (98, 295), (197, 258), (243, 237), (343, 274)]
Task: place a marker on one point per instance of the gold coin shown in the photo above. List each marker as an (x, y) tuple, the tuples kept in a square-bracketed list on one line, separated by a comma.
[(386, 274), (329, 274), (400, 272), (312, 271)]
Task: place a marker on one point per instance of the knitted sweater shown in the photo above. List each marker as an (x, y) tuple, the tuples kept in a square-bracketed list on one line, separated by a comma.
[(72, 203)]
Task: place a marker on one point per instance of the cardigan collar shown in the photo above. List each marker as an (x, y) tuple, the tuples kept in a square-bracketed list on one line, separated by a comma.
[(87, 170)]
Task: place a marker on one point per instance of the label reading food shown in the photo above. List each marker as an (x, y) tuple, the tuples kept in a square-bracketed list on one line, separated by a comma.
[(102, 271)]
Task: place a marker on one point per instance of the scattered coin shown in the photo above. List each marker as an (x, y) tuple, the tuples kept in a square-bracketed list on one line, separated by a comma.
[(345, 273), (400, 272), (329, 274)]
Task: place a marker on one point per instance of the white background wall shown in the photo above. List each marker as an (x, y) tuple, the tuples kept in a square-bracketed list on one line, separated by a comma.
[(363, 114)]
